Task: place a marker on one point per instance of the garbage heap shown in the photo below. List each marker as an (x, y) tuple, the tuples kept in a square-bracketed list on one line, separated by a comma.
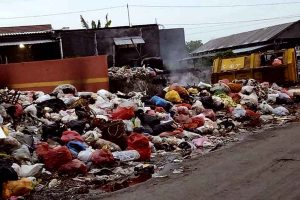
[(127, 79), (70, 139)]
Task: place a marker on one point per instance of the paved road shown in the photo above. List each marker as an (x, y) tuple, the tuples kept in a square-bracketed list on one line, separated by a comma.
[(263, 167)]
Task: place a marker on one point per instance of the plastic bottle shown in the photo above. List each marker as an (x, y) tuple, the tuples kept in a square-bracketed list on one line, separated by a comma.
[(128, 155)]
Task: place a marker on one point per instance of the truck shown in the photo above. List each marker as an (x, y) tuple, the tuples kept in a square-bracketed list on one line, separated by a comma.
[(278, 66)]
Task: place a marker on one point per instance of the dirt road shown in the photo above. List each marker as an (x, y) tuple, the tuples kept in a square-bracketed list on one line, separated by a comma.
[(264, 166)]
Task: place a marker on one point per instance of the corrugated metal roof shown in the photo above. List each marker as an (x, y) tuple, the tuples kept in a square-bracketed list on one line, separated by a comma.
[(20, 30), (245, 38), (247, 49), (129, 40), (26, 42)]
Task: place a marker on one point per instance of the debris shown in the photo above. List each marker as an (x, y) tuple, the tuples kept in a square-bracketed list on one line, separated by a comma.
[(117, 139)]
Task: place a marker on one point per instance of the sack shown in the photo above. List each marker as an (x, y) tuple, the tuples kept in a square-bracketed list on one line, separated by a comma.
[(115, 132), (140, 143), (105, 144)]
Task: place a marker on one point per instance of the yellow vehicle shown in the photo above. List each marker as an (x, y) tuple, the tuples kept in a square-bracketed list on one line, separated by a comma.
[(272, 66)]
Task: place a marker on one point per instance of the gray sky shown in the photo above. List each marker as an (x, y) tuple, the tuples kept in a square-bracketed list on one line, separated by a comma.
[(145, 15)]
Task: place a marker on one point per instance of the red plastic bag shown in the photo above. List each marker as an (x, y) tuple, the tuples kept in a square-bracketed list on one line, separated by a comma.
[(53, 158), (123, 113), (235, 87), (189, 106), (176, 133), (102, 157), (73, 167), (19, 110), (182, 110), (68, 136), (140, 143), (160, 110), (235, 97), (209, 113)]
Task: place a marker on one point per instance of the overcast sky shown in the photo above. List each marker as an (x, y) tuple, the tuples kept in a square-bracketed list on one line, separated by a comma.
[(146, 15)]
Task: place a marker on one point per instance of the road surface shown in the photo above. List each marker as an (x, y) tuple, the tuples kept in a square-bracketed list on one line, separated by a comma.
[(265, 166)]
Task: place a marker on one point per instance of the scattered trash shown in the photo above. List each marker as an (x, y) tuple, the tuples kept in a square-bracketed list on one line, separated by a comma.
[(114, 140)]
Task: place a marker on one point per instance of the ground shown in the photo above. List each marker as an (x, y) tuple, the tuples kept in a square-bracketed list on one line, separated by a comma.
[(263, 166)]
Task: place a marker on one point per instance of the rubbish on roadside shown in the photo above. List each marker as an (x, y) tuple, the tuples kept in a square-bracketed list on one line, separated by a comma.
[(104, 137)]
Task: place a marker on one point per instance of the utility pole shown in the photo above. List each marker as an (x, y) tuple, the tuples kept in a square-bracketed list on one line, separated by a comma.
[(128, 15)]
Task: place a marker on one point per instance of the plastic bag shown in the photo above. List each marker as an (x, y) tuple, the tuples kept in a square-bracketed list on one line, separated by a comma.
[(92, 136), (158, 101), (65, 89), (239, 112), (181, 90), (280, 111), (102, 157), (86, 155), (53, 158), (173, 96), (276, 62), (272, 98), (220, 88), (22, 154), (199, 141), (31, 110), (265, 108), (129, 155), (198, 107), (105, 144), (209, 113), (28, 170), (75, 147), (20, 187), (204, 85), (9, 144), (235, 87), (73, 167), (123, 113), (193, 91), (140, 143), (68, 136)]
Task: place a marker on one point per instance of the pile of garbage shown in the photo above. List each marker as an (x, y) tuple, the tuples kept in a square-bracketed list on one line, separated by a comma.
[(94, 139), (127, 79)]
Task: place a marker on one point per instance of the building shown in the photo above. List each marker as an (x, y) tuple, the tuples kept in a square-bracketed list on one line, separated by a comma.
[(269, 38), (124, 45), (28, 43)]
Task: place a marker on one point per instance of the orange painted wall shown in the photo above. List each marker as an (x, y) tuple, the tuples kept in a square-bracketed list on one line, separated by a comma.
[(85, 73)]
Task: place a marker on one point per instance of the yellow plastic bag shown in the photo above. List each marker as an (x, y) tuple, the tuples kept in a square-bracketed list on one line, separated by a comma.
[(173, 96), (17, 188), (193, 91)]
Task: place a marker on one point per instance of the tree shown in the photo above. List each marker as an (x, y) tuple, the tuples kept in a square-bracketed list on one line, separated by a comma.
[(95, 25), (193, 45)]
